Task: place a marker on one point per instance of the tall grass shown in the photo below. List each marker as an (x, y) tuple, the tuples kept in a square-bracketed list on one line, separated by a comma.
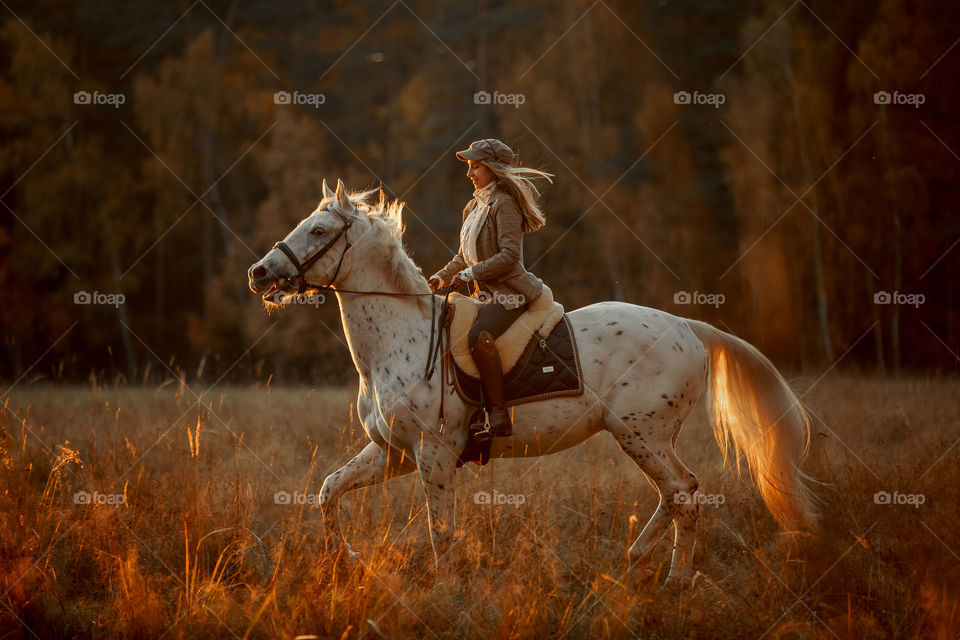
[(188, 541)]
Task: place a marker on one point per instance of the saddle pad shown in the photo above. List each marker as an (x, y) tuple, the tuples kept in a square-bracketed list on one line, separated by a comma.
[(540, 372), (540, 317)]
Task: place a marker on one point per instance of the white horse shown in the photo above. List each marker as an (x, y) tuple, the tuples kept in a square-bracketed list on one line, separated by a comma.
[(643, 371)]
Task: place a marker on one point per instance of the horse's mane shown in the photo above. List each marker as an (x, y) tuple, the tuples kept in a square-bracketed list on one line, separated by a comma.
[(386, 217)]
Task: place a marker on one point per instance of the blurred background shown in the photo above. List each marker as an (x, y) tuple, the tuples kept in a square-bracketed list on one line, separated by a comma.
[(783, 170)]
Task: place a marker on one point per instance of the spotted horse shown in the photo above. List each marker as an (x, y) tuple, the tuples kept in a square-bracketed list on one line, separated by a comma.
[(643, 371)]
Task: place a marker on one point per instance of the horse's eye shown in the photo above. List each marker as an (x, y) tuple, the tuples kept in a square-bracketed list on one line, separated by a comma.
[(317, 231)]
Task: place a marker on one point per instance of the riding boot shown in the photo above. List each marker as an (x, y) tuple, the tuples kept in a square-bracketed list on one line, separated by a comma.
[(487, 357)]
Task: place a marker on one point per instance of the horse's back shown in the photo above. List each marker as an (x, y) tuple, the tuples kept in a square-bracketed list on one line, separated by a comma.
[(625, 313), (621, 343)]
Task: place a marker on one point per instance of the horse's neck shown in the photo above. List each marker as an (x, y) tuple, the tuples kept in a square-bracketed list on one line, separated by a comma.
[(382, 328)]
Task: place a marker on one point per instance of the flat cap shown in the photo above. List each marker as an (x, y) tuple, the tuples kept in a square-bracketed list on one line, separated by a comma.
[(488, 150)]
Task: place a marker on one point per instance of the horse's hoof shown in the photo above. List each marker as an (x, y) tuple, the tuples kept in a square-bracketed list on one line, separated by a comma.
[(675, 584), (333, 548), (642, 578)]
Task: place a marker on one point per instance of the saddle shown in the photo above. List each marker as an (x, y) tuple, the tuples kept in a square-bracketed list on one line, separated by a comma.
[(538, 354), (540, 318)]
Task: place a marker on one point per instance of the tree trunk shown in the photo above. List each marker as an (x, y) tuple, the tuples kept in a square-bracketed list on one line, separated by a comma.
[(123, 315), (820, 286), (897, 255), (871, 285)]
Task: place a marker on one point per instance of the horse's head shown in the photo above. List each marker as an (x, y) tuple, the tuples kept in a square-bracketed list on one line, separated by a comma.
[(313, 253)]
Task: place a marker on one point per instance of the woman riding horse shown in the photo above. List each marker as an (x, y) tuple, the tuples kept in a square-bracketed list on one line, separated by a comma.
[(503, 208)]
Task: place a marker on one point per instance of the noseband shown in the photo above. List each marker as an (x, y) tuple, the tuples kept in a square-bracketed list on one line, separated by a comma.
[(303, 267)]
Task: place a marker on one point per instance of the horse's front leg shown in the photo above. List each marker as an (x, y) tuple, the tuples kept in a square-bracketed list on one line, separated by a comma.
[(373, 465), (437, 466)]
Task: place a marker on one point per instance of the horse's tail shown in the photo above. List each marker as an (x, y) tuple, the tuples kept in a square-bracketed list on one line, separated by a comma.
[(753, 407)]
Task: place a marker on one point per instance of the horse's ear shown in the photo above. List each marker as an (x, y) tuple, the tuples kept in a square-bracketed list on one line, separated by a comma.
[(327, 193), (342, 195)]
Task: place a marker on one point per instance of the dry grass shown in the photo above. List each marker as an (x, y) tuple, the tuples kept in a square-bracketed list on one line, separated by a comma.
[(201, 550)]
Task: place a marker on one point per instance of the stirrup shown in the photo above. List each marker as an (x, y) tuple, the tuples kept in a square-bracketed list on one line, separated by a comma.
[(484, 434)]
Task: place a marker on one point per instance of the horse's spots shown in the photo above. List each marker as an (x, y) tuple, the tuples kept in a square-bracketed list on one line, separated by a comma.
[(644, 326), (610, 324), (669, 403), (619, 332), (664, 396), (584, 329), (623, 384)]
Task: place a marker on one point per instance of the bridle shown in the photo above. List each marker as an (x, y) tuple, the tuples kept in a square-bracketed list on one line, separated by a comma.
[(303, 267)]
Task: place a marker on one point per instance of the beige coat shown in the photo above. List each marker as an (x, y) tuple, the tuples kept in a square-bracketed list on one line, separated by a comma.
[(500, 251)]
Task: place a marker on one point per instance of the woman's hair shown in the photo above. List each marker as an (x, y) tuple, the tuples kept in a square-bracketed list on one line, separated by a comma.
[(518, 181)]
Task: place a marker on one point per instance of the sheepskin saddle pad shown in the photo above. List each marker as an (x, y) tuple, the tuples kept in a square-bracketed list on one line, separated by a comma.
[(538, 352)]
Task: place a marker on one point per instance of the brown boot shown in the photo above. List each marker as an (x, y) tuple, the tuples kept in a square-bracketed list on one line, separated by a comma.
[(487, 357)]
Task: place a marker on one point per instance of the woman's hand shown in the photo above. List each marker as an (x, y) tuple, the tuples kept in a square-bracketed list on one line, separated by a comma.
[(434, 283)]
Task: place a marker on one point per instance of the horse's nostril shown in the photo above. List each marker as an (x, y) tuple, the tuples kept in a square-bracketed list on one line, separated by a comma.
[(259, 272)]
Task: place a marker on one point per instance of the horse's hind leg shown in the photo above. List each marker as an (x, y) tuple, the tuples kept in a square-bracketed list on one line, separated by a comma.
[(653, 452)]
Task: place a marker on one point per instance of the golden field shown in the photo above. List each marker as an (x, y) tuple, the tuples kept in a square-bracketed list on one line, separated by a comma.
[(134, 512)]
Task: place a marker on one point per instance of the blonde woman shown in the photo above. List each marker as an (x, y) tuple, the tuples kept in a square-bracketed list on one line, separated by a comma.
[(490, 260)]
